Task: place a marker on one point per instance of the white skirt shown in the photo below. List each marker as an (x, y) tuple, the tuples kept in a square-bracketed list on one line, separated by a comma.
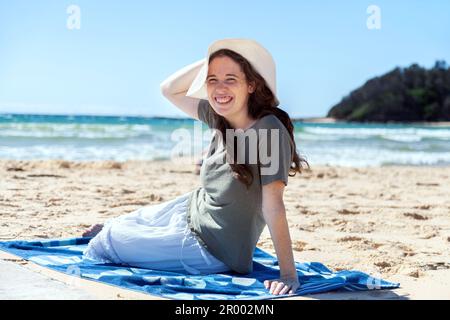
[(154, 237)]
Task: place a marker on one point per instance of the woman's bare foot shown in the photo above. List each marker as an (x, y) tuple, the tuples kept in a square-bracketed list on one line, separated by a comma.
[(93, 230)]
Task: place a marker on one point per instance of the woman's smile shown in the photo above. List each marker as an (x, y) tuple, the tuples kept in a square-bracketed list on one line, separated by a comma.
[(223, 100)]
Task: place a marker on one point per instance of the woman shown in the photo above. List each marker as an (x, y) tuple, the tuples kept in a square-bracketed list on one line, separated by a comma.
[(215, 227)]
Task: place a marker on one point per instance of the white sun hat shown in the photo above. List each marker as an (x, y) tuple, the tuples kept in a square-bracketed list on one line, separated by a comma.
[(260, 59)]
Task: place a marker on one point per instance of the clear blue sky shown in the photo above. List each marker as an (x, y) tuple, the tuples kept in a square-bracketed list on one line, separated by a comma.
[(125, 49)]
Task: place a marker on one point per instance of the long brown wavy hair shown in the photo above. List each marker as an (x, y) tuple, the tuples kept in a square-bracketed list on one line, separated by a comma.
[(260, 103)]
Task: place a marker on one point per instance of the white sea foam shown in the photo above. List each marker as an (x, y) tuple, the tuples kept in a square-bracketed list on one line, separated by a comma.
[(146, 139)]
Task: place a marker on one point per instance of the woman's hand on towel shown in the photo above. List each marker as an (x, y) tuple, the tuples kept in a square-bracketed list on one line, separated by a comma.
[(282, 285)]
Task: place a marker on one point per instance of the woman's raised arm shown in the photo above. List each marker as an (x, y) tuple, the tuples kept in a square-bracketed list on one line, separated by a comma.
[(175, 87)]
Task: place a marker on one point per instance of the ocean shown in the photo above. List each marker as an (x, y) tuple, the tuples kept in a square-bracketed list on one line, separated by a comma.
[(121, 138)]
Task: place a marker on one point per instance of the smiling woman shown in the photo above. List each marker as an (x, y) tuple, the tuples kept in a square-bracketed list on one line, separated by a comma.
[(252, 97), (228, 89), (216, 226)]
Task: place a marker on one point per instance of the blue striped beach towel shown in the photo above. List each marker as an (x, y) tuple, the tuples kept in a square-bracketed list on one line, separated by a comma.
[(65, 255)]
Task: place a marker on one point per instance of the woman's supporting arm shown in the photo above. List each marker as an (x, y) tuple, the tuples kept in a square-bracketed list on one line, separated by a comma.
[(275, 216), (175, 87)]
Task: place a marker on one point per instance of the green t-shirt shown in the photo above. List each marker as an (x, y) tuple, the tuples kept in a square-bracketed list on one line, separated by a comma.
[(223, 214)]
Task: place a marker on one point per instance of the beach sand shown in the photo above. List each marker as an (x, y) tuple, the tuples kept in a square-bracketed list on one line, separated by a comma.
[(391, 222)]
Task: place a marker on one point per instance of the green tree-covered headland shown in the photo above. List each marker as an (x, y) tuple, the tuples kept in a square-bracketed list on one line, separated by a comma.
[(402, 95)]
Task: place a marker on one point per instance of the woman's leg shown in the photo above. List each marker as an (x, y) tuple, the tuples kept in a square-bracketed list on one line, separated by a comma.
[(154, 237), (150, 212), (144, 230)]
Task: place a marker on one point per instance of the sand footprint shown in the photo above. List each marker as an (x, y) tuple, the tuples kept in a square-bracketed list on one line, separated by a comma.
[(346, 211), (15, 169), (350, 238), (430, 184), (405, 250), (440, 265), (423, 207), (298, 245), (415, 216), (360, 242)]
